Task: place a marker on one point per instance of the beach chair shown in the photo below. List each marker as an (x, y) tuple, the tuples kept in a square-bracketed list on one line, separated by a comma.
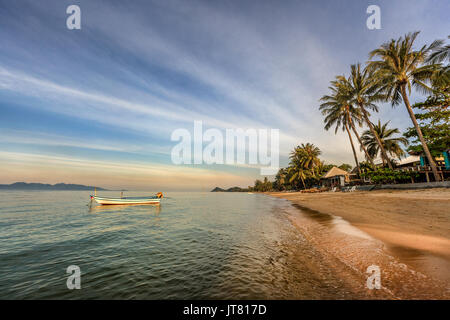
[(352, 189), (333, 190)]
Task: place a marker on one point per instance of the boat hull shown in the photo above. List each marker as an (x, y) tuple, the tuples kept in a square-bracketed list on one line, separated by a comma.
[(122, 201)]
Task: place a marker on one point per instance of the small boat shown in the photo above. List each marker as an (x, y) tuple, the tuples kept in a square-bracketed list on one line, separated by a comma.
[(128, 200)]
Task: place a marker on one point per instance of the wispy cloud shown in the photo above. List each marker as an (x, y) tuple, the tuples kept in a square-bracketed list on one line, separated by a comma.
[(111, 174), (137, 71)]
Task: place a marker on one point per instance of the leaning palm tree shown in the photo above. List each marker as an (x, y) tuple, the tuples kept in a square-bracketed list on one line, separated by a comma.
[(352, 125), (363, 92), (399, 68), (339, 111), (391, 144)]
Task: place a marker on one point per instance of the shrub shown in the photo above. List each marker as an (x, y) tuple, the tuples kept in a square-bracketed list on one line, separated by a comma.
[(386, 175)]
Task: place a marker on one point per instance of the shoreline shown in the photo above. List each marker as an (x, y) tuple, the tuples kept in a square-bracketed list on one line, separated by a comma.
[(413, 226)]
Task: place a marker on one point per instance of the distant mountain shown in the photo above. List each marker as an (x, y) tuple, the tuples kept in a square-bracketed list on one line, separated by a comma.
[(217, 189), (233, 189), (43, 186)]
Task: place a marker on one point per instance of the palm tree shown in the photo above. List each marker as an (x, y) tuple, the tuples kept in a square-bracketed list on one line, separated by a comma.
[(345, 167), (363, 92), (307, 155), (398, 69), (258, 185), (440, 81), (267, 185), (281, 178), (298, 172), (304, 162), (439, 54), (391, 144), (339, 113), (337, 107), (361, 145)]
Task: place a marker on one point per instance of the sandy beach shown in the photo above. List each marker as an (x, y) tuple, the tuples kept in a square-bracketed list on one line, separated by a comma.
[(418, 219), (412, 225)]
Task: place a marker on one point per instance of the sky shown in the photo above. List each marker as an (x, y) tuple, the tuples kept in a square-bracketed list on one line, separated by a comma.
[(97, 106)]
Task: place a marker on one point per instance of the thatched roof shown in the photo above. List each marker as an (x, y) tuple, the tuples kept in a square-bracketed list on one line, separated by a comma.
[(335, 171)]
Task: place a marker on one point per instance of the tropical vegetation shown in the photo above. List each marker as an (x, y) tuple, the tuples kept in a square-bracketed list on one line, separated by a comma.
[(304, 171), (391, 144), (386, 175), (394, 69), (399, 68)]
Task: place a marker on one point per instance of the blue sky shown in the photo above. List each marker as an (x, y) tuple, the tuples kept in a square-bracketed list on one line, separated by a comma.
[(98, 105)]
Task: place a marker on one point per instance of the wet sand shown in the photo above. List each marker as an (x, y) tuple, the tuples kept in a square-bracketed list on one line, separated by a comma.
[(413, 226)]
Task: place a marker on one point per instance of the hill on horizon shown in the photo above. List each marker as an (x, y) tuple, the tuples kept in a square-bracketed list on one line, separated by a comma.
[(232, 189), (46, 186)]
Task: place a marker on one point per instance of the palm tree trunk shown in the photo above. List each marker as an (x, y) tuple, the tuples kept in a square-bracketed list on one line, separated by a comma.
[(419, 133), (303, 182), (353, 148), (383, 151), (368, 157)]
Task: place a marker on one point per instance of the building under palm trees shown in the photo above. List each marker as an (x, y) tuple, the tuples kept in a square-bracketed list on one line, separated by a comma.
[(419, 163), (335, 177)]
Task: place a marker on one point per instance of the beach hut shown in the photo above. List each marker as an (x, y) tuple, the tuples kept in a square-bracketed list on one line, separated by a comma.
[(335, 177)]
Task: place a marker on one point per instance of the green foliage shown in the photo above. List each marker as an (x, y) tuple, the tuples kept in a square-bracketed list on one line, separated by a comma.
[(391, 144), (400, 67), (434, 121), (327, 167), (280, 180), (338, 108), (345, 166), (305, 165), (262, 186), (387, 176), (304, 170), (366, 166)]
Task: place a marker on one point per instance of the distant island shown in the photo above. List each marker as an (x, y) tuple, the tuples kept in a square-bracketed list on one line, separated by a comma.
[(233, 189), (44, 186)]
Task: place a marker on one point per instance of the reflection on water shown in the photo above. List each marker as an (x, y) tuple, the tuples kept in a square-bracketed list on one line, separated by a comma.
[(150, 208), (194, 245)]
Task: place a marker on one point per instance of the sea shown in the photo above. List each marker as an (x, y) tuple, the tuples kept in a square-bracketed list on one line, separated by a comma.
[(194, 245)]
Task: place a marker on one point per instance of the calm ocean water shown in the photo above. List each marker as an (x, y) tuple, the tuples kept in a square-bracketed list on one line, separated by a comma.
[(194, 246)]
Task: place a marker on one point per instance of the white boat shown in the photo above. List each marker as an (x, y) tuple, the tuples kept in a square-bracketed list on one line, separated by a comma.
[(128, 200)]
